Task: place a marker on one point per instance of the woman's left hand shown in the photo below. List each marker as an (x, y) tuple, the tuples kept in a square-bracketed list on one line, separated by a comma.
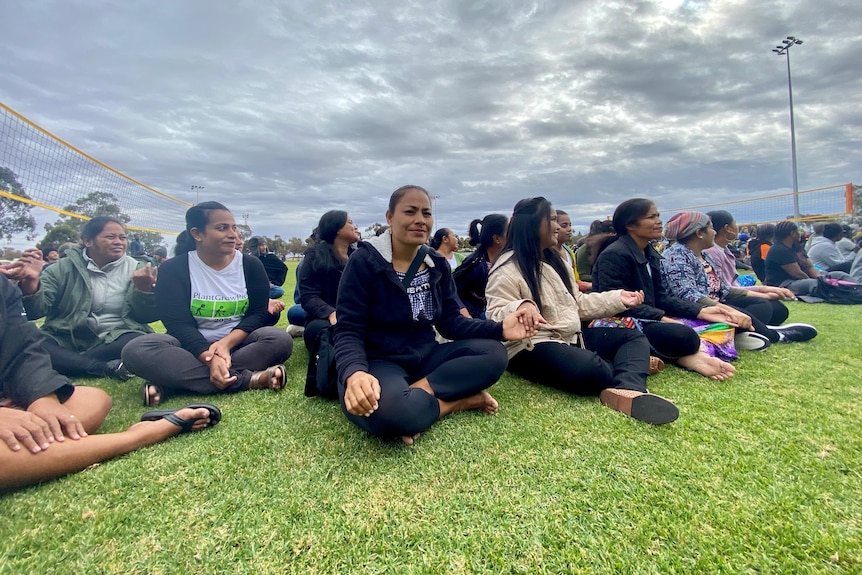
[(737, 317), (522, 323), (219, 349), (219, 373), (144, 278), (632, 298), (60, 420), (275, 306)]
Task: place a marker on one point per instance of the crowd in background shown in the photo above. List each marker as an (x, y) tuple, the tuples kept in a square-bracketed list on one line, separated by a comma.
[(402, 328)]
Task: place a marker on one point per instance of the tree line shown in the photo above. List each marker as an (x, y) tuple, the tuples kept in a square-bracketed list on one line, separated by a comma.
[(15, 217)]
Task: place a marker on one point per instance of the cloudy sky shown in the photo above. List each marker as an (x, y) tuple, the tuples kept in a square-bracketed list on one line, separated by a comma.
[(285, 109)]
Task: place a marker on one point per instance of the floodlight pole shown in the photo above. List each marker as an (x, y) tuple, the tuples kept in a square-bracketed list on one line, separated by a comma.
[(784, 50), (196, 189)]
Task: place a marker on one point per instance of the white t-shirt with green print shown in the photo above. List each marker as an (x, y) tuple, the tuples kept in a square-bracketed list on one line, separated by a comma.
[(219, 298)]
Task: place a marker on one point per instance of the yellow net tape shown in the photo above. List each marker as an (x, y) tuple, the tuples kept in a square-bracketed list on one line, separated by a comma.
[(55, 174)]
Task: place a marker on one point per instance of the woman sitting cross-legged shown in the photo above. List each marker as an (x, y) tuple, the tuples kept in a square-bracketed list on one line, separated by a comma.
[(610, 362), (94, 301), (319, 277), (213, 301), (688, 272), (394, 378), (630, 262)]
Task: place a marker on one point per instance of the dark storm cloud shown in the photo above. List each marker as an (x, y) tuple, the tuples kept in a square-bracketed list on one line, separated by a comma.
[(286, 109)]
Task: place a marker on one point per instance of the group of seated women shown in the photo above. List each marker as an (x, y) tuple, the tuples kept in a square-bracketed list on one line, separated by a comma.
[(413, 339)]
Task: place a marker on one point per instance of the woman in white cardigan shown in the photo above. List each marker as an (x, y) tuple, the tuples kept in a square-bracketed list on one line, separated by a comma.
[(610, 362)]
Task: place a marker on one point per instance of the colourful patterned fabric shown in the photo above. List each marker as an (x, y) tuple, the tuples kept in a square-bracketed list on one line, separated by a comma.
[(716, 339), (624, 322)]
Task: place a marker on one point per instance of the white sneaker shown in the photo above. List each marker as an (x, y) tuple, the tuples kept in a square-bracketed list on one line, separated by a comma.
[(751, 341), (295, 330)]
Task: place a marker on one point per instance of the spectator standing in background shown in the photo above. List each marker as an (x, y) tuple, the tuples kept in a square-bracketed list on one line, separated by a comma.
[(276, 270)]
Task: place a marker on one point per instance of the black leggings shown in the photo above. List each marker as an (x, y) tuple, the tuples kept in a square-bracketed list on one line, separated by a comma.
[(615, 357), (454, 370), (671, 340), (762, 312), (90, 363)]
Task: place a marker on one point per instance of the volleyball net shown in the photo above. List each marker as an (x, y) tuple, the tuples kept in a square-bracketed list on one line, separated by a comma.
[(819, 204), (55, 175)]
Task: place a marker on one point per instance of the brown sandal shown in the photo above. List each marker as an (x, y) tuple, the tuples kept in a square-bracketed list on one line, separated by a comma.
[(655, 365), (270, 374)]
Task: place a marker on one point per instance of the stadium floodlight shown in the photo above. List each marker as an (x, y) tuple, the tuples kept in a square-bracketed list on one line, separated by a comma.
[(784, 50), (196, 189)]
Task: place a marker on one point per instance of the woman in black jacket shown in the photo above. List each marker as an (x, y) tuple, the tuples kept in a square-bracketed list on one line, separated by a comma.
[(630, 262), (471, 277), (213, 301), (319, 277), (394, 379)]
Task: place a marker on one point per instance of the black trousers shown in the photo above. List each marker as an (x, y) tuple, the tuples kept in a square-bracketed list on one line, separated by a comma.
[(615, 357), (671, 340), (762, 312), (454, 370), (91, 362)]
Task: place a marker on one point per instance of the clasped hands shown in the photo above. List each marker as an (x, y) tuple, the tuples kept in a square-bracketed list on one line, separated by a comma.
[(217, 358)]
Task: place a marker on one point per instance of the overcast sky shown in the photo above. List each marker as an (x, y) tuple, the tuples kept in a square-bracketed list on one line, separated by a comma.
[(285, 109)]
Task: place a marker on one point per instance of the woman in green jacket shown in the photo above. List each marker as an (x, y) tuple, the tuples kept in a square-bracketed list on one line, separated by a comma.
[(94, 301)]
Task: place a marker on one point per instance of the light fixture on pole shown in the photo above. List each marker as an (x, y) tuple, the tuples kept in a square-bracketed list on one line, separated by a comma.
[(783, 49), (434, 207), (195, 189)]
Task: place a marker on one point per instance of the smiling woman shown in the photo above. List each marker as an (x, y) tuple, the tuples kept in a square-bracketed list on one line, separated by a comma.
[(213, 301), (394, 379), (94, 301)]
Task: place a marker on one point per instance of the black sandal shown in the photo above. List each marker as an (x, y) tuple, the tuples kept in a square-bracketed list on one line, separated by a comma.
[(185, 425)]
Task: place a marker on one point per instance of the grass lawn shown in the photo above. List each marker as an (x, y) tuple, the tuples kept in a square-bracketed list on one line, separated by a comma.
[(761, 474)]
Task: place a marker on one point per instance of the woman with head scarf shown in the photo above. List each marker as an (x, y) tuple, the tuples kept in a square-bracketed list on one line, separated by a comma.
[(690, 274)]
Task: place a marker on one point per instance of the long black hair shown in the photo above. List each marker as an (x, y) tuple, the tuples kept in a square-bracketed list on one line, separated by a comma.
[(523, 240), (324, 235), (197, 216), (626, 214), (482, 231)]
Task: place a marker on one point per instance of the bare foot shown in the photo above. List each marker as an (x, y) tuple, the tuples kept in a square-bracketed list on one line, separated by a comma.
[(489, 404), (410, 439), (481, 400), (707, 366), (153, 396)]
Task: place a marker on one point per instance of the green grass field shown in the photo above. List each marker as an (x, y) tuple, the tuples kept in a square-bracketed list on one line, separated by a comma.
[(760, 474)]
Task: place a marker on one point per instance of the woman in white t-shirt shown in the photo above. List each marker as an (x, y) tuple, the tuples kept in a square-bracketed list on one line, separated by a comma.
[(446, 243), (213, 301)]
